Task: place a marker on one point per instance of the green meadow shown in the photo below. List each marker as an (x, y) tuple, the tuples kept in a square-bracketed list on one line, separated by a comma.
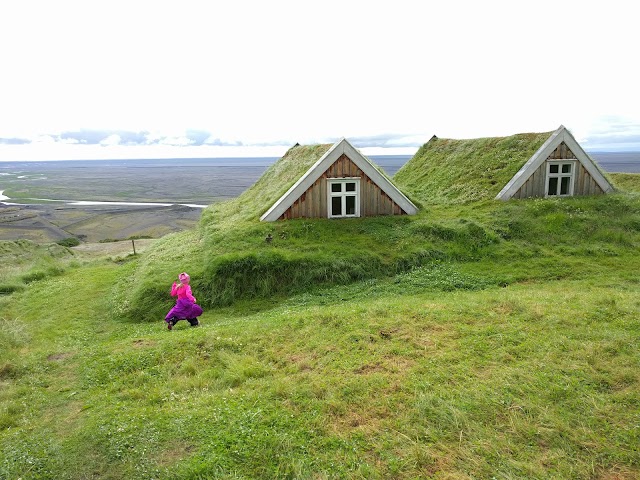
[(475, 340)]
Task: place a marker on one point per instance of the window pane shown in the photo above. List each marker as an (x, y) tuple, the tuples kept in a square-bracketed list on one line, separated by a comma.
[(350, 187), (564, 185), (566, 168), (553, 168), (351, 205), (553, 186), (336, 187), (336, 206)]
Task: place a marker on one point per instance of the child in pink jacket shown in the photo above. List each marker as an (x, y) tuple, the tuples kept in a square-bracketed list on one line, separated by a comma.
[(185, 307)]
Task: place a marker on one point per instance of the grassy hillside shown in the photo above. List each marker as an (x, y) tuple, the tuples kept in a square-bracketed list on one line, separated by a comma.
[(474, 340), (231, 262), (459, 171), (441, 372)]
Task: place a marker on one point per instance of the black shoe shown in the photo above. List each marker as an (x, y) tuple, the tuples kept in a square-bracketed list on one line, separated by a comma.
[(193, 322)]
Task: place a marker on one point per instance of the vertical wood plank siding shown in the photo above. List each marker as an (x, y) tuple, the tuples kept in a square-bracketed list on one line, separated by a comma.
[(561, 153), (535, 184), (313, 202)]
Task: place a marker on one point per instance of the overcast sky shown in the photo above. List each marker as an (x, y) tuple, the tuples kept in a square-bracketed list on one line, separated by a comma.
[(185, 78)]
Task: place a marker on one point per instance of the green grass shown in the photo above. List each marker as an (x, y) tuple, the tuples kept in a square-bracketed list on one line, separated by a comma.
[(626, 182), (425, 374), (23, 261), (231, 262), (482, 340), (445, 171)]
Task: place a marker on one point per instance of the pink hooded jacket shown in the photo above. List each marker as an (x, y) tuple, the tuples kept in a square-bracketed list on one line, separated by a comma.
[(182, 291)]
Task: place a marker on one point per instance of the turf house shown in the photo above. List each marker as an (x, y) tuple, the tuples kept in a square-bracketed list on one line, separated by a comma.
[(550, 164), (334, 182), (560, 167)]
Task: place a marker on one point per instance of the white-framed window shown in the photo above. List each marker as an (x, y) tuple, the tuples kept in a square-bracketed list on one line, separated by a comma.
[(560, 178), (343, 197)]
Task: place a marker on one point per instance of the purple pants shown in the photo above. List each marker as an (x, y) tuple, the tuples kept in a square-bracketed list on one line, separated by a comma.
[(184, 309)]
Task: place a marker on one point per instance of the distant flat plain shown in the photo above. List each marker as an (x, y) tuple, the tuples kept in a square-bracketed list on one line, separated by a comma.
[(172, 193)]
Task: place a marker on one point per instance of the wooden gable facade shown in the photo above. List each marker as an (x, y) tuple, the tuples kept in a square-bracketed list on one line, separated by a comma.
[(314, 202), (560, 168), (341, 184), (537, 185)]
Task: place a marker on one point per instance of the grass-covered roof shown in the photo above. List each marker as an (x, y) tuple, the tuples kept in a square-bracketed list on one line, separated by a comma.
[(274, 183), (458, 171)]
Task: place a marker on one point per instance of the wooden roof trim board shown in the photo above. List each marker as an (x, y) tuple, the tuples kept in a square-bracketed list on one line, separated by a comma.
[(318, 168), (556, 138)]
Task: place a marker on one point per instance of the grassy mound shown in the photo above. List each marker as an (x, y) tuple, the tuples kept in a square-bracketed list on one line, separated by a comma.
[(238, 264), (229, 258), (234, 262), (24, 261), (626, 182), (462, 171)]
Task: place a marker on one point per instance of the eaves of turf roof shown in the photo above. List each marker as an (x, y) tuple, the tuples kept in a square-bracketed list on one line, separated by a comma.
[(459, 171), (279, 177)]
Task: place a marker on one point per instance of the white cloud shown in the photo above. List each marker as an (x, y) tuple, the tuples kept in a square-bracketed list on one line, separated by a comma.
[(44, 139), (176, 141), (111, 140)]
